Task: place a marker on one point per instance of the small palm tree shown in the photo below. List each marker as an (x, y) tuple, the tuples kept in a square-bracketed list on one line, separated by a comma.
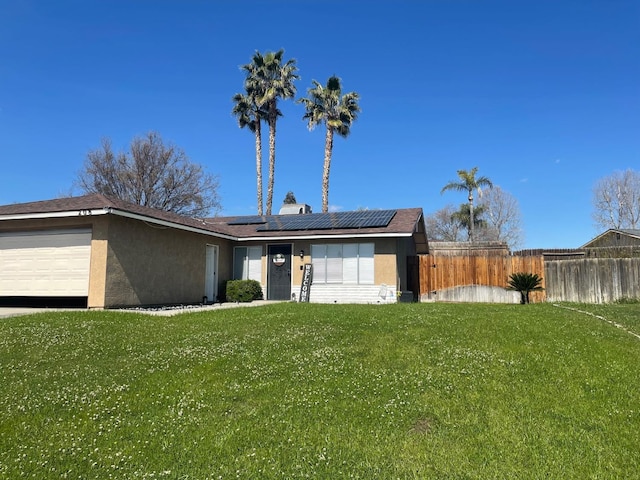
[(326, 104), (468, 183), (463, 218), (524, 283), (250, 115)]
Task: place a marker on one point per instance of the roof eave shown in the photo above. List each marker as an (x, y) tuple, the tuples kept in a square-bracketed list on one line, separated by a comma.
[(325, 236), (65, 214), (165, 223), (86, 213), (611, 230)]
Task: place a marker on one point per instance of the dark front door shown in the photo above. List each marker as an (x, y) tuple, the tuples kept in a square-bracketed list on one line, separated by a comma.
[(279, 272)]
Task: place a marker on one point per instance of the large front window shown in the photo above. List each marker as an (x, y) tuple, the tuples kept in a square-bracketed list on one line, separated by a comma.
[(247, 263), (344, 263)]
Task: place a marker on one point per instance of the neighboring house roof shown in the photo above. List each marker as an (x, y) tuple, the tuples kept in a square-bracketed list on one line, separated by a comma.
[(634, 233), (403, 222)]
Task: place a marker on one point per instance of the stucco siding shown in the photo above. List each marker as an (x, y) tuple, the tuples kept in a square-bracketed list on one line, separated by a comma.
[(386, 272), (149, 265), (98, 267)]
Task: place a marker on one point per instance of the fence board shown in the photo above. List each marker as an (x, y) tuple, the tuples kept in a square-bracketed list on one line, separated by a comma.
[(442, 272), (583, 279), (593, 280)]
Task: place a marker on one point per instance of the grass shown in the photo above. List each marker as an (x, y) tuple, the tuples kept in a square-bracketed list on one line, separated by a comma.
[(401, 391)]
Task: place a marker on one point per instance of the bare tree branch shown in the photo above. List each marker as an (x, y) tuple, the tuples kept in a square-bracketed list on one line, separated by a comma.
[(616, 201), (153, 174), (502, 214)]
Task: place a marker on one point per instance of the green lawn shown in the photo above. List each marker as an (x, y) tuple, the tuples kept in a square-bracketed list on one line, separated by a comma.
[(323, 391)]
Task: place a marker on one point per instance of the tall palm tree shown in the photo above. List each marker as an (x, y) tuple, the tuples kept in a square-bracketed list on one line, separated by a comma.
[(250, 115), (468, 183), (326, 104), (269, 78)]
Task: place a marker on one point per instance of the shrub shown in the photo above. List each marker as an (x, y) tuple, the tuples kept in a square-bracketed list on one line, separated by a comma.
[(524, 283), (243, 290)]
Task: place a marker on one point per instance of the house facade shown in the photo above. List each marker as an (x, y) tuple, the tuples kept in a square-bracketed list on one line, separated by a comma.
[(615, 238), (104, 253)]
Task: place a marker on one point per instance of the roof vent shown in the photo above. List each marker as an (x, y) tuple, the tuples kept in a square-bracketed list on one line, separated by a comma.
[(294, 209)]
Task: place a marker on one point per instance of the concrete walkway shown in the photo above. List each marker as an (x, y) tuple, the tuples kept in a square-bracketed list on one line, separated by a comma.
[(6, 312)]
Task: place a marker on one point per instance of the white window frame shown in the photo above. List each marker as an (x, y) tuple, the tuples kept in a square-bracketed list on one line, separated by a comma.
[(343, 263)]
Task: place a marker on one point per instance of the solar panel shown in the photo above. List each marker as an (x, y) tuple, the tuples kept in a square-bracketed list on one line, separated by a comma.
[(249, 220), (327, 221)]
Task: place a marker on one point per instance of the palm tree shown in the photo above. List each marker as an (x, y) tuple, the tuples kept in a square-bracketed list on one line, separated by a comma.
[(250, 115), (468, 183), (525, 283), (269, 79), (326, 104), (463, 217)]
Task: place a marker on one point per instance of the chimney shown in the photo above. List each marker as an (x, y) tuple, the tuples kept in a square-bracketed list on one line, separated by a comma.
[(294, 209)]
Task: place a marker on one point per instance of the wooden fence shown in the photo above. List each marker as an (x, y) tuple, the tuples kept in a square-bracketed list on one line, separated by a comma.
[(592, 280), (443, 276), (477, 275)]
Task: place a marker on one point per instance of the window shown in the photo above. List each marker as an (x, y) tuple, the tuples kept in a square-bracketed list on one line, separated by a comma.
[(349, 263), (247, 263)]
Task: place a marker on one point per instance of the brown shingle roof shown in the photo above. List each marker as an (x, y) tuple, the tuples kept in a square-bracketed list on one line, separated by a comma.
[(100, 202), (405, 222)]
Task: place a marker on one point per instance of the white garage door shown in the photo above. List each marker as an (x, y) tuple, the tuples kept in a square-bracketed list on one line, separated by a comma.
[(51, 263)]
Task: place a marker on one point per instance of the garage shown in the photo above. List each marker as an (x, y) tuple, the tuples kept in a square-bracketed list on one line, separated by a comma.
[(48, 267)]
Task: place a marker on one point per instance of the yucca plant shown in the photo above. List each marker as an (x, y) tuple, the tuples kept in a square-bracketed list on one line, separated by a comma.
[(524, 283)]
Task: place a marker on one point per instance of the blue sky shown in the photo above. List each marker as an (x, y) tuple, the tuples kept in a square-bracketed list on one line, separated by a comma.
[(543, 96)]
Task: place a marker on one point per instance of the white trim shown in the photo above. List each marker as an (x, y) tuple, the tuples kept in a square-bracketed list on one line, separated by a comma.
[(67, 214), (325, 237), (164, 223), (114, 211)]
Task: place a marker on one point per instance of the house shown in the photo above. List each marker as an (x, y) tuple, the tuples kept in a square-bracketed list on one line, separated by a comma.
[(101, 252), (615, 238)]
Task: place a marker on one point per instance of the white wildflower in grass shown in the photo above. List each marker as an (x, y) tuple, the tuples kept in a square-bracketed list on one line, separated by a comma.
[(315, 391)]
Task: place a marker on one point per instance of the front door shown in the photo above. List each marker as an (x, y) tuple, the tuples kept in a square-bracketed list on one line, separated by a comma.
[(279, 272)]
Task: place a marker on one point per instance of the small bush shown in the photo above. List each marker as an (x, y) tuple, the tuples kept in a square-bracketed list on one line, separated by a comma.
[(243, 290), (524, 283)]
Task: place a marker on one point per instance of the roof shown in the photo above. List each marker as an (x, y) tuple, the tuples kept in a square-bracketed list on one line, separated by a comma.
[(405, 222), (624, 231), (98, 204)]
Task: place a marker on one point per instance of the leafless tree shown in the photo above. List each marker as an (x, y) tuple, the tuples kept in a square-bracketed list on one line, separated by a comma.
[(443, 226), (153, 174), (616, 200), (502, 216)]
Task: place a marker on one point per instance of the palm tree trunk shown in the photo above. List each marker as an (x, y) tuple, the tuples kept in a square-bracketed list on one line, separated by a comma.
[(471, 225), (272, 161), (259, 166), (328, 148)]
